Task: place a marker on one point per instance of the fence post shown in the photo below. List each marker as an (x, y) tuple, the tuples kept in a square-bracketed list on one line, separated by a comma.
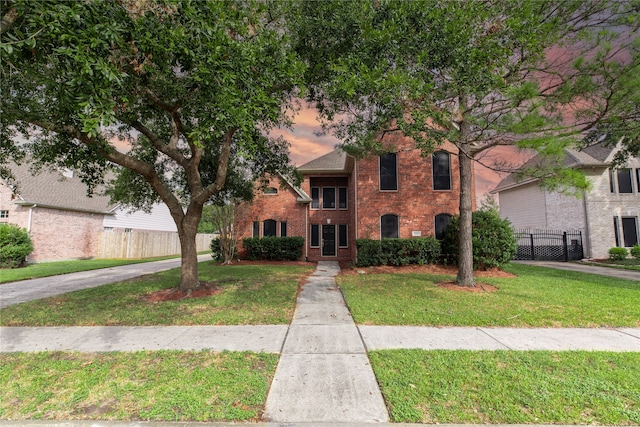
[(533, 257), (565, 249)]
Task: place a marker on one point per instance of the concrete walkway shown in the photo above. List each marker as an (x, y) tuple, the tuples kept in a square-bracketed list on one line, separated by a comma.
[(584, 268), (33, 289)]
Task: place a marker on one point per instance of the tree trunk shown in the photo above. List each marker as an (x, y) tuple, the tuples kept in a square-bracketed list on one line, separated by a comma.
[(187, 234), (465, 238)]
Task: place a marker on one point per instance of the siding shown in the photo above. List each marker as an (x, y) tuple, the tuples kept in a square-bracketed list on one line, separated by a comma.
[(158, 220), (524, 206)]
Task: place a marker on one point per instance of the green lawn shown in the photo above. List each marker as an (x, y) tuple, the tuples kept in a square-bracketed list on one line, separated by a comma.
[(538, 297), (510, 387), (161, 385), (46, 269), (250, 294)]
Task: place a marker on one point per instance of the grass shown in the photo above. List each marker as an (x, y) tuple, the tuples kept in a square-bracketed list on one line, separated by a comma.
[(47, 269), (162, 385), (627, 264), (538, 297), (250, 294), (510, 387)]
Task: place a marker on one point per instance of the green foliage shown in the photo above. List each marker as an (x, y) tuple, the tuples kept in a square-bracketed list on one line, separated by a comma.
[(216, 250), (397, 252), (618, 254), (494, 244), (274, 248), (635, 251), (15, 246)]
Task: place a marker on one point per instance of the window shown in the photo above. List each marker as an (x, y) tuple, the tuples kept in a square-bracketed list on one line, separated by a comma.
[(328, 198), (612, 183), (441, 169), (389, 226), (342, 198), (315, 236), (630, 231), (269, 228), (128, 230), (441, 223), (616, 230), (256, 229), (625, 184), (388, 172), (4, 214), (283, 229), (270, 190), (638, 179), (343, 240), (315, 198)]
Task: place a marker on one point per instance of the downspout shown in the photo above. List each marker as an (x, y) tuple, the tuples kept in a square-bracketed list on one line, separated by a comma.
[(30, 217), (587, 230), (355, 203), (306, 232)]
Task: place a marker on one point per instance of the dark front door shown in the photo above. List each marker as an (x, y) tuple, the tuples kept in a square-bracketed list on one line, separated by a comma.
[(328, 240)]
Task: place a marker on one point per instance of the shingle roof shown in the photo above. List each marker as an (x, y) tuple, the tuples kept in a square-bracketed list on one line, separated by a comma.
[(574, 158), (53, 189), (337, 161)]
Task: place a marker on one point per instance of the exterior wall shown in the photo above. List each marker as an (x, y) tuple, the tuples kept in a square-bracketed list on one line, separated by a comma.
[(602, 206), (59, 235), (565, 212), (159, 219), (18, 215), (524, 206), (281, 207), (415, 202)]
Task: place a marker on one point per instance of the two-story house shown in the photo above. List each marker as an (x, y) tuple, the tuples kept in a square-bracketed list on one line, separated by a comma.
[(400, 194), (607, 215)]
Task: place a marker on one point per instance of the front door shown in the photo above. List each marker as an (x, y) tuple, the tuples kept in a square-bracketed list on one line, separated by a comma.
[(328, 240)]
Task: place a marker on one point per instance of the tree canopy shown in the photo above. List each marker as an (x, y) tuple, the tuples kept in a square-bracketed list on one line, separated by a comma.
[(535, 74), (175, 97)]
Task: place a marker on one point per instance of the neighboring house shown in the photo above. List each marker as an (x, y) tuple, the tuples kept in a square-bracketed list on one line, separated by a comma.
[(341, 199), (607, 215), (63, 222)]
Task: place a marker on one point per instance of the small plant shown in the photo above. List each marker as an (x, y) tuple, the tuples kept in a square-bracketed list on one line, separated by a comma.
[(635, 251), (618, 254), (15, 246)]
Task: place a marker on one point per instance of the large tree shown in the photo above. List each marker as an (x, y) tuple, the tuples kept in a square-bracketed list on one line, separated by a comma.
[(478, 74), (175, 97)]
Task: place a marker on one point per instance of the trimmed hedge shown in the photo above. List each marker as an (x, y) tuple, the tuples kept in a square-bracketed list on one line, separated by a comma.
[(397, 252), (15, 246), (274, 248), (618, 254), (635, 251)]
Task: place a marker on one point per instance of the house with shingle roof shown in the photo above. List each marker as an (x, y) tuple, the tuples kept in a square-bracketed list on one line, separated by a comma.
[(63, 222), (607, 215), (400, 194)]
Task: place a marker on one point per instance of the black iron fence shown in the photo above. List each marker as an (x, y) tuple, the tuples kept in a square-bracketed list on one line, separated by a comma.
[(549, 245)]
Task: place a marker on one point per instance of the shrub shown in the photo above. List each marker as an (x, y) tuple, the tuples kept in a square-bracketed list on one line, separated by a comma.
[(635, 251), (274, 248), (494, 244), (618, 254), (15, 246), (397, 252), (216, 250)]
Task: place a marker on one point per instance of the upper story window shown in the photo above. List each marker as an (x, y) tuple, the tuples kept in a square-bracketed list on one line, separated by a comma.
[(389, 227), (389, 172), (315, 198), (441, 169), (441, 223), (621, 181), (328, 198), (270, 190), (269, 228), (4, 214), (342, 198)]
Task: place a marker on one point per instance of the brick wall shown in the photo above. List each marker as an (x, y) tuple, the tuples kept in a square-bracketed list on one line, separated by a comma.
[(415, 202)]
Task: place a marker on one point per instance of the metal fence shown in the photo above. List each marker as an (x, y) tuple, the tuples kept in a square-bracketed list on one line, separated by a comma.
[(549, 245)]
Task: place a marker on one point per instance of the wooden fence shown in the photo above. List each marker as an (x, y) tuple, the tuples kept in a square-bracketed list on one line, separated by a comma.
[(144, 245)]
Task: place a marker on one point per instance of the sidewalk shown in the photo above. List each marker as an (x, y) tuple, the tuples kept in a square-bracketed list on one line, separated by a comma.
[(620, 273)]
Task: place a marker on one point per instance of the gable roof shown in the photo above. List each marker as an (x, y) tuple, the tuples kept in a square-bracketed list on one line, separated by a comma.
[(55, 190), (597, 155), (337, 161)]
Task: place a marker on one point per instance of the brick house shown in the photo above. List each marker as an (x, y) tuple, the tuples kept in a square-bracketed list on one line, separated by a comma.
[(62, 221), (607, 215), (341, 199)]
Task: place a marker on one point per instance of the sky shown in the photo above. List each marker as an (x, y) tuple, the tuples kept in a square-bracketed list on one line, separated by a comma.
[(307, 143)]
